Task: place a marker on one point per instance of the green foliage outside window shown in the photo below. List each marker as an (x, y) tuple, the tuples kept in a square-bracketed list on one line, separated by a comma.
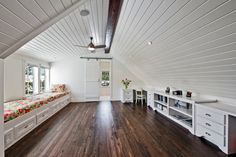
[(105, 78)]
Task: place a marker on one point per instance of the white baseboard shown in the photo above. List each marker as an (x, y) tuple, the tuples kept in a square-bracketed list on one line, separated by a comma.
[(84, 100), (77, 100)]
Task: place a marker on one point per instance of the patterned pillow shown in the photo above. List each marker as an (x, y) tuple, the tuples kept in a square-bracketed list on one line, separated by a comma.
[(58, 88)]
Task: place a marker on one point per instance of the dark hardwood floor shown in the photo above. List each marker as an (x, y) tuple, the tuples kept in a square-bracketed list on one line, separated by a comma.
[(108, 129)]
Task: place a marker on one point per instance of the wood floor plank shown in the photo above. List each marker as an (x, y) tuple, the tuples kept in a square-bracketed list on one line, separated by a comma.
[(110, 129)]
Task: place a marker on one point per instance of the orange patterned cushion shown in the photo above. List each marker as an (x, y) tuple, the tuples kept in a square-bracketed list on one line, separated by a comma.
[(58, 88)]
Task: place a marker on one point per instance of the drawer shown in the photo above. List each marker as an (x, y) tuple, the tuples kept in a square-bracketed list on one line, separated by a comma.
[(25, 126), (67, 101), (55, 107), (219, 128), (211, 114), (211, 136), (42, 116), (128, 99), (128, 94), (63, 103), (8, 137)]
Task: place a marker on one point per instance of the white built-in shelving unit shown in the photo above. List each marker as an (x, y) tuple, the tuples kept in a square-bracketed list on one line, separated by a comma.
[(180, 109), (208, 119)]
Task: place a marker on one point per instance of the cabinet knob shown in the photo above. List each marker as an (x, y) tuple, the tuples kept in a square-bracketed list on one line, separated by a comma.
[(208, 124), (207, 114), (207, 133)]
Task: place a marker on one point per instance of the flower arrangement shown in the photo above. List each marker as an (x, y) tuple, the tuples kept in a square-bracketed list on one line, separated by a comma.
[(126, 83)]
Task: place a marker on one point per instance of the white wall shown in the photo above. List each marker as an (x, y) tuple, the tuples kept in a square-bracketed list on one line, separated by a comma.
[(1, 108), (14, 75), (13, 78), (71, 71), (119, 72)]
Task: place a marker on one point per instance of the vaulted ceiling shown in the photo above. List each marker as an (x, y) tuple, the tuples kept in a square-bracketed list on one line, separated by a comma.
[(58, 41), (193, 43), (20, 17)]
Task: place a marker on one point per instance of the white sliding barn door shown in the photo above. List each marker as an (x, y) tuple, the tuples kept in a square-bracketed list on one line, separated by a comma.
[(92, 80)]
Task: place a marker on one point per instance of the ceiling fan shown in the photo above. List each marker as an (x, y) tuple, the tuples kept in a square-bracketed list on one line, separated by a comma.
[(91, 47)]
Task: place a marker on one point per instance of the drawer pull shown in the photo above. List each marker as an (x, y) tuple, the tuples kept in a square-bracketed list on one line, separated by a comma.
[(207, 133), (207, 124), (26, 126), (207, 114)]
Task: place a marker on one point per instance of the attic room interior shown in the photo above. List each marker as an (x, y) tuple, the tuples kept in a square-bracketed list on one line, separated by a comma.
[(117, 78)]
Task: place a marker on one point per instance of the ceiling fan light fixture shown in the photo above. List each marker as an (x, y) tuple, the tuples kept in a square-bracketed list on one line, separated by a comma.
[(91, 48)]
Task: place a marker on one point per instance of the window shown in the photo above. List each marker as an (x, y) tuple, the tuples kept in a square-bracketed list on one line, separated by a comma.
[(44, 79), (36, 79), (31, 79), (105, 78)]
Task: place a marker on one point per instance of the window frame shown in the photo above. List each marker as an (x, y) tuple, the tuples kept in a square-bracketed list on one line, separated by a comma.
[(39, 66), (48, 68)]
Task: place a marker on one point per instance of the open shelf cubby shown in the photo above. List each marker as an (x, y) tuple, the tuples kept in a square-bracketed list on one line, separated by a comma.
[(161, 99), (181, 106), (187, 120), (161, 107), (176, 108)]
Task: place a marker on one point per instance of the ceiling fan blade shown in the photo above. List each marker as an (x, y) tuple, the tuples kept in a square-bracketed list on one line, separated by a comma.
[(100, 46), (81, 46)]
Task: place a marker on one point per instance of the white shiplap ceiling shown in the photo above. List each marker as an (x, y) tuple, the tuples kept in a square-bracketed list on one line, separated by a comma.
[(194, 43), (19, 17), (58, 41)]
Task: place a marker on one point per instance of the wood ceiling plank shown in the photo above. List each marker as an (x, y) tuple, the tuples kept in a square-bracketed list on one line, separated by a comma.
[(47, 7), (66, 3), (21, 12), (10, 30), (40, 29), (57, 5), (13, 20), (6, 39), (35, 9)]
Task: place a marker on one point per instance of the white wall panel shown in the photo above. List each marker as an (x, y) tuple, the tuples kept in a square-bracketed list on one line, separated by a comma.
[(1, 108), (194, 44)]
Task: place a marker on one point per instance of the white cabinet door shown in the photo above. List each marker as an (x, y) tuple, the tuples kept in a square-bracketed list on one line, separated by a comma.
[(92, 80)]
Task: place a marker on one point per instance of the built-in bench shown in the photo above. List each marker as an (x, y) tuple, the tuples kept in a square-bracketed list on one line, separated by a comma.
[(22, 116)]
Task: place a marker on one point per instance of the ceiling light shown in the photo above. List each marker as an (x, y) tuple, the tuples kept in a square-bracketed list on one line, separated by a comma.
[(84, 12), (149, 43), (91, 48)]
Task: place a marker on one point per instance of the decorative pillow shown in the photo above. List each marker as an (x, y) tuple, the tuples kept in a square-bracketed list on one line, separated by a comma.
[(58, 88)]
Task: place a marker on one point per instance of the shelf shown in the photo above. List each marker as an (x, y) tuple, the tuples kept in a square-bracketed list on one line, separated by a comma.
[(161, 111), (160, 102), (186, 121), (187, 112)]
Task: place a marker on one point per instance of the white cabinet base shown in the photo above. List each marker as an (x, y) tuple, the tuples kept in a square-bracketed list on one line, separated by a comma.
[(127, 96), (17, 128)]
